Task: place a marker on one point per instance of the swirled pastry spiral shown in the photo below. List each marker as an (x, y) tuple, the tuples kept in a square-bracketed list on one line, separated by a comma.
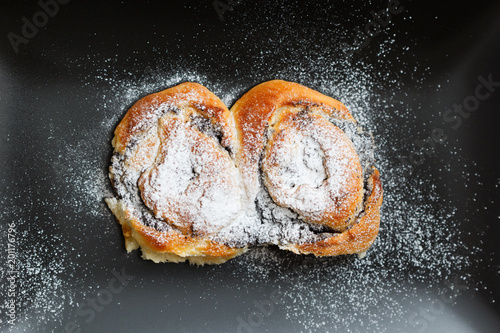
[(286, 166)]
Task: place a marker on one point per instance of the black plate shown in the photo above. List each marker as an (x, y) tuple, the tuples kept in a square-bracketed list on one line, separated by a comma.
[(423, 77)]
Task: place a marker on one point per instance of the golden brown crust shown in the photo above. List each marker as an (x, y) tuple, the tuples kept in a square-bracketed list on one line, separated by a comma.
[(136, 235), (141, 115)]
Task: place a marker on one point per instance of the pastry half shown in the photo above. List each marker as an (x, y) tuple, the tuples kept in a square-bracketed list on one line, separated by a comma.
[(175, 180), (302, 153)]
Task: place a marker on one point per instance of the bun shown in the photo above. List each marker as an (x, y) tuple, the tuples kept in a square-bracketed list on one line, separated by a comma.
[(280, 120), (286, 166), (175, 182)]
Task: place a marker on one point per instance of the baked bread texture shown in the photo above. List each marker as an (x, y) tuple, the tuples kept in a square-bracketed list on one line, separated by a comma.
[(286, 166)]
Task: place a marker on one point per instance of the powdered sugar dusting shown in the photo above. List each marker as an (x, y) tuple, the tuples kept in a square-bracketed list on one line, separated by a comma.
[(192, 182)]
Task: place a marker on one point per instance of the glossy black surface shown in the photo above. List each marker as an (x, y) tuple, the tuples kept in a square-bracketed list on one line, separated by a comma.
[(60, 101)]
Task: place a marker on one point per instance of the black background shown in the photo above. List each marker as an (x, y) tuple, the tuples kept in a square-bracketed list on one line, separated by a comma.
[(55, 90)]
